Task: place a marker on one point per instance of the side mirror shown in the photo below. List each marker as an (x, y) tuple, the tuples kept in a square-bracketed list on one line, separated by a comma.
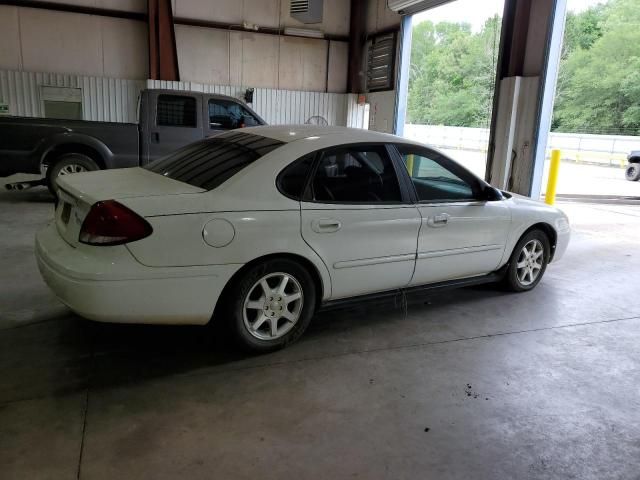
[(491, 194)]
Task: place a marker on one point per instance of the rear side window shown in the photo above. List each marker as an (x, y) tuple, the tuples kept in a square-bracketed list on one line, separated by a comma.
[(176, 111), (293, 179), (209, 163), (356, 174)]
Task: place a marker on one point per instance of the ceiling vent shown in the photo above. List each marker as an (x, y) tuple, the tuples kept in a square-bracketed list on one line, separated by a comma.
[(306, 11)]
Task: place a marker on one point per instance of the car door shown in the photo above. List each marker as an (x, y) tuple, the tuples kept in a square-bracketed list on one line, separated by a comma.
[(174, 122), (462, 233), (359, 220), (225, 114)]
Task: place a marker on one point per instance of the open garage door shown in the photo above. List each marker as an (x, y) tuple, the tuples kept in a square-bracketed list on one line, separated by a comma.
[(451, 73), (596, 118)]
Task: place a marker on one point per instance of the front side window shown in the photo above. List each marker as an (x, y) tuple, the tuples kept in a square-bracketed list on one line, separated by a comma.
[(210, 162), (357, 174), (433, 177), (176, 111), (226, 114)]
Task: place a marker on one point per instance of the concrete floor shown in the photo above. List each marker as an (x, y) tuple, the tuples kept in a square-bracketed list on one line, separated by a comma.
[(469, 384)]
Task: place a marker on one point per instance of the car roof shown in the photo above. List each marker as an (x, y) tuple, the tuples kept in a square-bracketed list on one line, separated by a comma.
[(293, 133), (168, 91)]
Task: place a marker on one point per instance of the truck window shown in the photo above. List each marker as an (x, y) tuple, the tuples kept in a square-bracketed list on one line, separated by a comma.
[(176, 111), (226, 114)]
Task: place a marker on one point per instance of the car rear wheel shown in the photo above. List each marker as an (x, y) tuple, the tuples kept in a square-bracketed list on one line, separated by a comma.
[(272, 305), (528, 262), (632, 173), (67, 164)]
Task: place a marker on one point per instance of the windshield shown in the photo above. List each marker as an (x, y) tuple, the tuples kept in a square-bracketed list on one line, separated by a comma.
[(210, 162)]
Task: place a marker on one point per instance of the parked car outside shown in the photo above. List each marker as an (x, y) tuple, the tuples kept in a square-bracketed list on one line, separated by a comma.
[(168, 120), (260, 227)]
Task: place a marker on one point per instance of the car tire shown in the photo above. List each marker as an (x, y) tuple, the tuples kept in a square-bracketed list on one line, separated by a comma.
[(528, 262), (66, 164), (258, 303), (632, 173)]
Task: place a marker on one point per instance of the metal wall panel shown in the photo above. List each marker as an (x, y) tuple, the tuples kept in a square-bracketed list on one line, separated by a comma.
[(115, 100), (103, 99)]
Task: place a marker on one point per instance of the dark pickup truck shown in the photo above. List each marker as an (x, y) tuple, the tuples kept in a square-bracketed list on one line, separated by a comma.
[(168, 119)]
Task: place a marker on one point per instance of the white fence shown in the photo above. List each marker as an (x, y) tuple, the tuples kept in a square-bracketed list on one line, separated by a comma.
[(599, 149), (115, 100), (461, 138)]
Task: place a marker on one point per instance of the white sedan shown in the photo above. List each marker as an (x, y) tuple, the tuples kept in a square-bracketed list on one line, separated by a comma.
[(260, 227)]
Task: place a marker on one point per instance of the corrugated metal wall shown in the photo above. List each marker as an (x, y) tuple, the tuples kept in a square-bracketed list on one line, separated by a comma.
[(357, 113), (103, 99), (115, 100)]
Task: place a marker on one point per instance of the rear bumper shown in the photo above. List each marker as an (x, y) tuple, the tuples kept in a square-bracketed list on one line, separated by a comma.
[(130, 292)]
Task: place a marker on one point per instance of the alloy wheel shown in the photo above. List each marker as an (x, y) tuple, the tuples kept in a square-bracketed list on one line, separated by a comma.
[(530, 262), (273, 306), (72, 168)]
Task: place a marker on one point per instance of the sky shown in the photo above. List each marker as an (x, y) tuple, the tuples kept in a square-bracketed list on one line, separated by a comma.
[(476, 12), (580, 5)]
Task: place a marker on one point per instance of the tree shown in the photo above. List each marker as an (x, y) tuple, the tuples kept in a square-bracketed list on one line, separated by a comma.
[(452, 73), (599, 84)]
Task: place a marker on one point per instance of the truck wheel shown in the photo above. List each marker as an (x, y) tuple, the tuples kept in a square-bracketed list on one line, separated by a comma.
[(67, 164), (632, 173)]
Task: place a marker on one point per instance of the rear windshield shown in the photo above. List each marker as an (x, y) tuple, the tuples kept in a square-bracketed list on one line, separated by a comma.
[(209, 163)]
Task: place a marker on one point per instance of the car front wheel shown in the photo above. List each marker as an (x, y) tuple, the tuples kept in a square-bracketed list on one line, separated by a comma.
[(528, 262), (272, 305)]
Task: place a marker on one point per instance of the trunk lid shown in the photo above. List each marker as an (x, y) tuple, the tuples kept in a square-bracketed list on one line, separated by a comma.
[(78, 192), (122, 183)]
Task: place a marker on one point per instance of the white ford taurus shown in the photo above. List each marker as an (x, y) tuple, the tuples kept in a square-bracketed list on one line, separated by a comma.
[(260, 227)]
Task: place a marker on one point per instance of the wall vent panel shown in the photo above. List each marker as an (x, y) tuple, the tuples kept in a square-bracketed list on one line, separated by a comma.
[(306, 11)]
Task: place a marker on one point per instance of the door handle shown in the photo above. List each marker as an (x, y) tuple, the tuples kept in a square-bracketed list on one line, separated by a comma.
[(326, 225), (155, 137), (439, 220)]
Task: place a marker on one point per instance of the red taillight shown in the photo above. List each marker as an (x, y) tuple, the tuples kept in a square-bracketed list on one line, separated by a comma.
[(111, 223)]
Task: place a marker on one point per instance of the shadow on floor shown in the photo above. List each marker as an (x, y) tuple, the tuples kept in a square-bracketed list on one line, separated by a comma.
[(64, 354), (32, 195)]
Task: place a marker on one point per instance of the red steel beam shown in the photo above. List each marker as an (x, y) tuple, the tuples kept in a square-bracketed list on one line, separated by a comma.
[(163, 55), (357, 42)]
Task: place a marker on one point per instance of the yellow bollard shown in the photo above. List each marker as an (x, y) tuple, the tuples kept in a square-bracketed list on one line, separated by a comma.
[(410, 164), (550, 197)]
